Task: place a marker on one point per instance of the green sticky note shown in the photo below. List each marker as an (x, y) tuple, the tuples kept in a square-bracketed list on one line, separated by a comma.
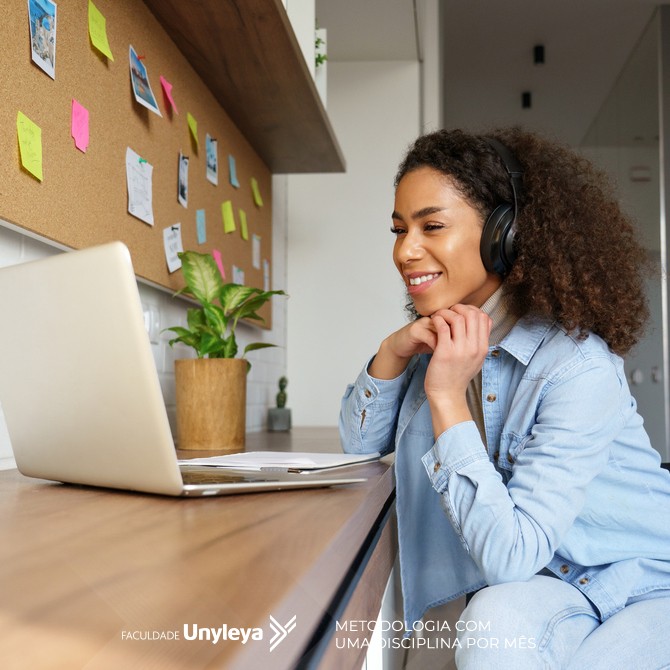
[(257, 194), (228, 217), (244, 230), (97, 30), (30, 144), (193, 127)]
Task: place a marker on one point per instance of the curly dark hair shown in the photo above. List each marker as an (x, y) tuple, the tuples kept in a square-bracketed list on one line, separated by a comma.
[(579, 261)]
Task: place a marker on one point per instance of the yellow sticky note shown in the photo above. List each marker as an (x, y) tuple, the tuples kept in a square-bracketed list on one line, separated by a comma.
[(30, 144), (97, 30), (244, 230), (228, 217), (257, 194), (193, 127)]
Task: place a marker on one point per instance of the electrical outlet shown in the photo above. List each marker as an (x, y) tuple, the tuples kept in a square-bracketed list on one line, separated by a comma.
[(152, 322)]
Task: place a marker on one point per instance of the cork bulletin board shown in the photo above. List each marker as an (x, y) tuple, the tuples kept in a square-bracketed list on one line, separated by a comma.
[(82, 199)]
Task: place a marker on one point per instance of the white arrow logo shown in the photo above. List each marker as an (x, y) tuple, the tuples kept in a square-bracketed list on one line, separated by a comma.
[(280, 632)]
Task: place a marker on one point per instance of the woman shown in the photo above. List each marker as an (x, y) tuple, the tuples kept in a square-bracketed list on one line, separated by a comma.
[(524, 473)]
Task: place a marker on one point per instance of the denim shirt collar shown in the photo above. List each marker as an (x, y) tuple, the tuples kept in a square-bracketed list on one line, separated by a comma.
[(525, 337)]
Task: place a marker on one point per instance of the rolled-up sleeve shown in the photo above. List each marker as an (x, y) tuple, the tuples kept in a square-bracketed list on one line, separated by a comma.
[(369, 412)]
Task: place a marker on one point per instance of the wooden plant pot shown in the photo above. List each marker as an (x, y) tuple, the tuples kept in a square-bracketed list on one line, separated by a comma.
[(211, 403)]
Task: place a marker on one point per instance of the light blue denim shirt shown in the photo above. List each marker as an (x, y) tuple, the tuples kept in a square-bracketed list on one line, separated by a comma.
[(569, 483)]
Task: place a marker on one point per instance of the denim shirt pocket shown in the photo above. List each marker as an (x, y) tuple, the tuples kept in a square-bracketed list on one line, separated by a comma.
[(511, 447)]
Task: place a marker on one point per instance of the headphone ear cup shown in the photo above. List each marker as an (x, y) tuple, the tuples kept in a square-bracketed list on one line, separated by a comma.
[(497, 243)]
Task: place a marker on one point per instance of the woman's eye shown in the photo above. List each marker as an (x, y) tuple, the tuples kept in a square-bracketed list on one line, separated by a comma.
[(433, 226), (397, 231)]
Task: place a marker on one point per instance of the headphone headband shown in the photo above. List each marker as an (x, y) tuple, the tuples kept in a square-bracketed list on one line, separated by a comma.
[(512, 165), (497, 245)]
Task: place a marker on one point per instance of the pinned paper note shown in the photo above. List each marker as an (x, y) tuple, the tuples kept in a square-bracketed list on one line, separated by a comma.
[(232, 170), (238, 275), (244, 230), (201, 226), (173, 246), (228, 217), (266, 274), (139, 175), (43, 35), (211, 149), (79, 125), (97, 31), (167, 90), (139, 78), (30, 144), (193, 127), (182, 187), (256, 251), (219, 262), (256, 192)]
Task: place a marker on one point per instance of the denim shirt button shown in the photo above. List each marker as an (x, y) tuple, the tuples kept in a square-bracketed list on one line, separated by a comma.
[(495, 353), (509, 458), (491, 397), (564, 569), (368, 393), (584, 580), (437, 466)]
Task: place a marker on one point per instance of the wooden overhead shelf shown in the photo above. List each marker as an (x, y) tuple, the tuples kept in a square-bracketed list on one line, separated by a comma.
[(247, 54)]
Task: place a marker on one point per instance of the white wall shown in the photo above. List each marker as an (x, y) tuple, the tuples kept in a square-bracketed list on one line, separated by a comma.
[(345, 294), (267, 364)]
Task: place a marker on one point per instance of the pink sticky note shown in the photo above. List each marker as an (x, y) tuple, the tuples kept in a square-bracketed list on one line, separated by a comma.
[(167, 89), (219, 262), (79, 125)]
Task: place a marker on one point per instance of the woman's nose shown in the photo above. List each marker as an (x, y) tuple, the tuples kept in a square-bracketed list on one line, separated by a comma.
[(408, 248)]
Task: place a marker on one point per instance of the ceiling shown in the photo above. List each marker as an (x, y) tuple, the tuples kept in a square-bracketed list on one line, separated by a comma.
[(488, 54)]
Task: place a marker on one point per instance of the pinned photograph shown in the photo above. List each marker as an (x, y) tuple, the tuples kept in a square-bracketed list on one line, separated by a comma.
[(211, 146), (182, 189), (42, 15), (140, 81)]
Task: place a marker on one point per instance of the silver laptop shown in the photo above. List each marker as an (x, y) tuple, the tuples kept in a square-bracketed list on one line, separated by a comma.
[(79, 388)]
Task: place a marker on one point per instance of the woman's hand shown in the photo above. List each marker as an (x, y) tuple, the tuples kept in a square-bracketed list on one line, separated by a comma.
[(462, 334), (395, 352)]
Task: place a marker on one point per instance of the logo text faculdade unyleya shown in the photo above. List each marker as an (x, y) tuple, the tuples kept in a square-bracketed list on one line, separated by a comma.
[(194, 632), (224, 633)]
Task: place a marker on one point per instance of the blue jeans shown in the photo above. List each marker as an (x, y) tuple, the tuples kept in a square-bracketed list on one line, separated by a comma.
[(546, 623)]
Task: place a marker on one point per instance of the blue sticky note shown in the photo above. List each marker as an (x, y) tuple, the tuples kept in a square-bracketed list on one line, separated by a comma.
[(232, 169), (200, 223)]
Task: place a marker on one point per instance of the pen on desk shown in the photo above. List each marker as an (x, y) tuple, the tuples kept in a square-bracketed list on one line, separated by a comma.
[(269, 468)]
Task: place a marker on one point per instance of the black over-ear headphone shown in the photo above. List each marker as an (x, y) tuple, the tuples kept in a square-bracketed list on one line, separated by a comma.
[(497, 246)]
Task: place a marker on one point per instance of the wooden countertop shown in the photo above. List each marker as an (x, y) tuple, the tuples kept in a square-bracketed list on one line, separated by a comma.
[(85, 569)]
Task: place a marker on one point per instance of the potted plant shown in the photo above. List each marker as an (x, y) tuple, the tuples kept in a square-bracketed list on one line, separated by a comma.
[(211, 389)]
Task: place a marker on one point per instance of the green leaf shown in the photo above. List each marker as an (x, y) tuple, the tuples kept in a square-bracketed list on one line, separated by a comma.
[(211, 345), (195, 317), (257, 345), (186, 337), (216, 319), (202, 275), (230, 350), (232, 296)]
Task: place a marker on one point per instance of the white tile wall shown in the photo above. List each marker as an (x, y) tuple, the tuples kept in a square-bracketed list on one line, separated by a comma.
[(267, 364)]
